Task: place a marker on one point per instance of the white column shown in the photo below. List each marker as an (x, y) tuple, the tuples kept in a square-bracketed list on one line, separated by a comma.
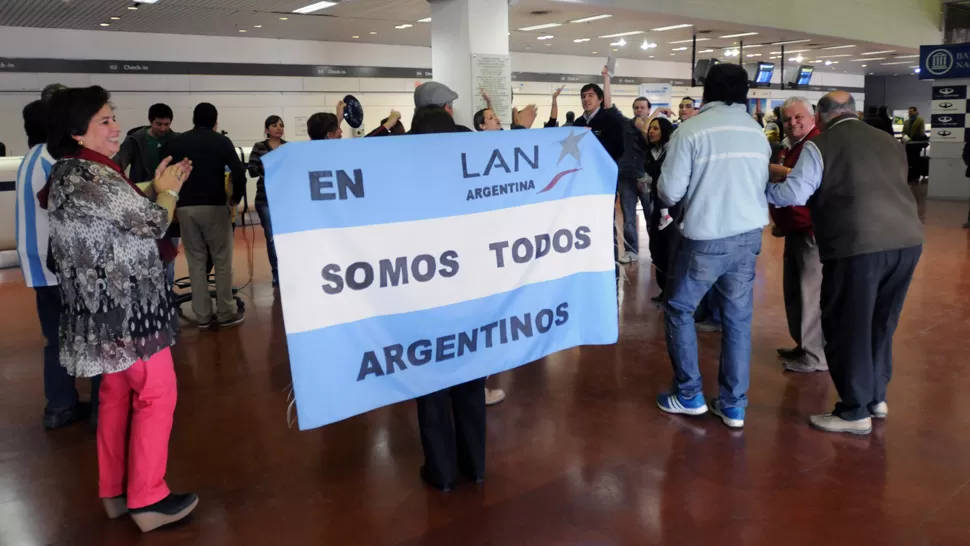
[(461, 31)]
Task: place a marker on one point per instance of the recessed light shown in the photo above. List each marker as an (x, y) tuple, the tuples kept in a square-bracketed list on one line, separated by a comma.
[(865, 65), (614, 49), (834, 56), (133, 8), (257, 26), (621, 34), (372, 33), (595, 52), (647, 45), (355, 37), (548, 45), (651, 56), (672, 54), (679, 49), (116, 18), (749, 55), (106, 24), (242, 30), (425, 20), (540, 27), (739, 35), (916, 69), (753, 46), (906, 56), (688, 41), (593, 18), (580, 40), (879, 52), (894, 62), (790, 42), (867, 60), (546, 37), (707, 51), (404, 26), (671, 27), (315, 7), (284, 18), (839, 47)]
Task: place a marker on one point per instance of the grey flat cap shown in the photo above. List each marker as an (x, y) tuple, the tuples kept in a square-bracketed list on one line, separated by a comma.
[(433, 94)]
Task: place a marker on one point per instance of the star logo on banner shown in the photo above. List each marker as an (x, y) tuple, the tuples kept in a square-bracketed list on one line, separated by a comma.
[(570, 146)]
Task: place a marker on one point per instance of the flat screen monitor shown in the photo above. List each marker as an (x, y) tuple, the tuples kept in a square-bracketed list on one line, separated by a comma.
[(701, 69), (800, 76), (759, 74)]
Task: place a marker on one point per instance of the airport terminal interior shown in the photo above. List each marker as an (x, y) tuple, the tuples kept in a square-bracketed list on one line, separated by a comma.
[(578, 451)]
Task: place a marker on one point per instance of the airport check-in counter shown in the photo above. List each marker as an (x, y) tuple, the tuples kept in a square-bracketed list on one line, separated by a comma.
[(8, 217)]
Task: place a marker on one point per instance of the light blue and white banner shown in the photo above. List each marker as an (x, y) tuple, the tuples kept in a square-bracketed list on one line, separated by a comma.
[(409, 264)]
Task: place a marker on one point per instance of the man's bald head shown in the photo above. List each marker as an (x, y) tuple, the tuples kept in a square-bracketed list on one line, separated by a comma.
[(833, 105)]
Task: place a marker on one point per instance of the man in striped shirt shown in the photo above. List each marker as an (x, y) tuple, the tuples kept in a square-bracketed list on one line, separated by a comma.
[(33, 233), (717, 165)]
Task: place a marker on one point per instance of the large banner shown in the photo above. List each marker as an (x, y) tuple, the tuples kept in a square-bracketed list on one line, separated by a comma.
[(409, 264)]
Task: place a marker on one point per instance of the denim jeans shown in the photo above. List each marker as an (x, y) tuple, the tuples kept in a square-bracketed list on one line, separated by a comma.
[(262, 209), (626, 187), (707, 310), (728, 266)]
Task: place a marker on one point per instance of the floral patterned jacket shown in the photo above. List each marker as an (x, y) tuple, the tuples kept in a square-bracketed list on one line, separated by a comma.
[(115, 302)]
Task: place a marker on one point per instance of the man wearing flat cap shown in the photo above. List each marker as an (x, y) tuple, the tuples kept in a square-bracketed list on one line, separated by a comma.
[(435, 94)]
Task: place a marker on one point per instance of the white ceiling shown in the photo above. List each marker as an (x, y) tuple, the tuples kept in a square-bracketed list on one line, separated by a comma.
[(373, 21)]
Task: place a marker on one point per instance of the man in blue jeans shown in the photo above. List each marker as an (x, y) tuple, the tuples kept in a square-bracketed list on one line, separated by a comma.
[(717, 164)]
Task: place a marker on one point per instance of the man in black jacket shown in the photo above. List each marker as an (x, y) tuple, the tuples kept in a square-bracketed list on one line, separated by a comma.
[(607, 127), (204, 216)]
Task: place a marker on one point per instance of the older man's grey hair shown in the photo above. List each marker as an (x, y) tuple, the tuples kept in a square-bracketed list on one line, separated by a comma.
[(830, 108), (796, 100)]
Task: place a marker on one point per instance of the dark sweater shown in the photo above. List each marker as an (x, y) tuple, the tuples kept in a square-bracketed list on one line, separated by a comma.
[(608, 130), (256, 169), (863, 204), (211, 154)]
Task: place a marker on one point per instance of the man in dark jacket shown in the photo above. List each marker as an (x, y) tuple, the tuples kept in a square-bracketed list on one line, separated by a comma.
[(204, 216), (140, 153), (607, 127), (853, 178)]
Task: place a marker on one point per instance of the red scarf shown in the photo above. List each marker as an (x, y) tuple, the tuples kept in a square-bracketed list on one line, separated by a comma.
[(166, 249)]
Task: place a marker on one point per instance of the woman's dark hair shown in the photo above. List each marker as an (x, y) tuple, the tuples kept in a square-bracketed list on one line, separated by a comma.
[(780, 122), (397, 129), (480, 119), (270, 121), (35, 122), (727, 83), (432, 119), (205, 116), (70, 112), (666, 129), (760, 118), (321, 124), (160, 111)]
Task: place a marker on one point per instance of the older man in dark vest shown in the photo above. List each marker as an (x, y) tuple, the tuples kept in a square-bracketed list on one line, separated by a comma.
[(853, 179)]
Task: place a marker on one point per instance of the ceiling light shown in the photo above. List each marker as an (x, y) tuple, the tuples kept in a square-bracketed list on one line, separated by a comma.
[(839, 47), (595, 52), (284, 18), (706, 51), (133, 8), (731, 52), (749, 55), (895, 62), (651, 56), (405, 25), (865, 65), (906, 56), (355, 37), (797, 59), (372, 33), (816, 61), (753, 45), (242, 30), (879, 52), (671, 27), (257, 26), (689, 41), (425, 20), (315, 7), (540, 27), (647, 45), (116, 18), (739, 35), (619, 43), (834, 56), (867, 60), (827, 63), (548, 45), (106, 24), (679, 49), (672, 54), (797, 51), (790, 42), (593, 18), (917, 66), (147, 1), (916, 70), (621, 34), (580, 40), (546, 37)]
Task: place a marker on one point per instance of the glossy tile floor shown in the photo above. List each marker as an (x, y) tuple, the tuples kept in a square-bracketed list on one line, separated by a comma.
[(578, 454)]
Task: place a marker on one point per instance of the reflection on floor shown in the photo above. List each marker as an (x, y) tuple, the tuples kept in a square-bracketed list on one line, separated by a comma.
[(577, 454)]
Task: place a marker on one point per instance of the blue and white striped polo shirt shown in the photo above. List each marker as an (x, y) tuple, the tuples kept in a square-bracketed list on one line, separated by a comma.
[(33, 230)]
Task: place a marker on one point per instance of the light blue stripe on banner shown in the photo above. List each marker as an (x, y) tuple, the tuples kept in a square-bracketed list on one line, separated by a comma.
[(378, 180), (30, 220), (326, 363)]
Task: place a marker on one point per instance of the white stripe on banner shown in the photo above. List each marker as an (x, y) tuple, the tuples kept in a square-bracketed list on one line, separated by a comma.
[(341, 275)]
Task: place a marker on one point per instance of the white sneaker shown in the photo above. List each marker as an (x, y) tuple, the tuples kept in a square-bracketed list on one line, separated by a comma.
[(628, 258), (880, 410), (493, 396), (833, 423)]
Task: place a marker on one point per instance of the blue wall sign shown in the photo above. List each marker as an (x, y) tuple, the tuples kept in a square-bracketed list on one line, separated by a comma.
[(938, 62)]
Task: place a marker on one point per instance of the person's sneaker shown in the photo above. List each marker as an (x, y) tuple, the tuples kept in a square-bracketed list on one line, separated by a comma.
[(234, 321), (168, 510), (493, 396), (62, 418), (674, 403), (732, 417), (116, 507), (800, 366), (879, 410), (833, 423), (207, 325), (790, 354), (708, 326), (628, 258)]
